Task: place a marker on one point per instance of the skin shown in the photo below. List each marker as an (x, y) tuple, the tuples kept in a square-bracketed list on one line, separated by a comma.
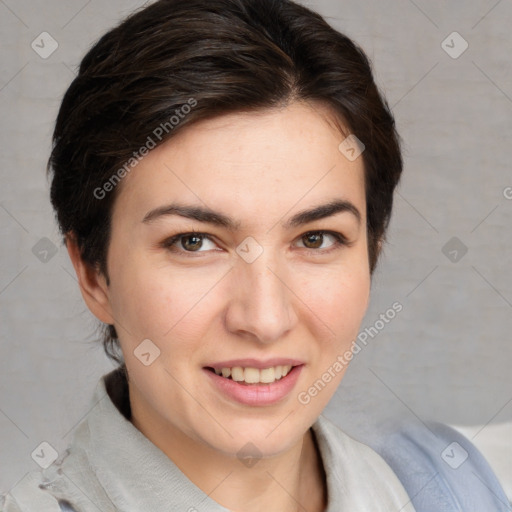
[(295, 300)]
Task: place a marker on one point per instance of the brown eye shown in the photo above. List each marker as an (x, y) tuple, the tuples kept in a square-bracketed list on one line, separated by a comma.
[(191, 242), (313, 240), (188, 243)]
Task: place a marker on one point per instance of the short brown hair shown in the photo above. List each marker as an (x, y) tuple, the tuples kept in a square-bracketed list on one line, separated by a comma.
[(227, 56)]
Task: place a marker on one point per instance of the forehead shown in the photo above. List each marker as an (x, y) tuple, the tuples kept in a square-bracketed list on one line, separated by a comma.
[(260, 163)]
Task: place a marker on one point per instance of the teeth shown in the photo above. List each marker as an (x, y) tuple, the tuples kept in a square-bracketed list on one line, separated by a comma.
[(266, 375), (237, 373), (254, 375)]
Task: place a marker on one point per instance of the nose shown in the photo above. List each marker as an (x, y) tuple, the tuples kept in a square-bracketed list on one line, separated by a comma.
[(262, 306)]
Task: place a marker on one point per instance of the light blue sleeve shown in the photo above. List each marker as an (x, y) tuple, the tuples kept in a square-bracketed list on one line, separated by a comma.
[(441, 470)]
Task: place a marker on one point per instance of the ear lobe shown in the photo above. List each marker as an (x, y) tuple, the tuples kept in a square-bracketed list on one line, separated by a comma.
[(378, 251), (380, 243), (92, 282)]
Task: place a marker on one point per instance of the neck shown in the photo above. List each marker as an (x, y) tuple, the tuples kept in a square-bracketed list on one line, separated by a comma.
[(291, 481)]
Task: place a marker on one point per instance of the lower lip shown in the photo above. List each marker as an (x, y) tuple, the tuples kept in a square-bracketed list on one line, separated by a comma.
[(256, 394)]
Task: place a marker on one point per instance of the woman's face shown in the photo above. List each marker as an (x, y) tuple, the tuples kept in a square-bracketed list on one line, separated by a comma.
[(250, 285)]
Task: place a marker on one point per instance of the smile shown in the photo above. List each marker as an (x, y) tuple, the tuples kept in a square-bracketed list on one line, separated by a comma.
[(251, 388), (251, 375)]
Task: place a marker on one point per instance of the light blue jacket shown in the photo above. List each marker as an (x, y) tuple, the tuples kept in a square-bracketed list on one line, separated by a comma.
[(441, 470)]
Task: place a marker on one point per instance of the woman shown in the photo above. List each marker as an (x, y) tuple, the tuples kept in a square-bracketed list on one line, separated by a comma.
[(223, 175)]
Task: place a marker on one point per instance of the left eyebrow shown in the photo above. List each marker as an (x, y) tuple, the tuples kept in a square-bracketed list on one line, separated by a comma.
[(205, 214), (322, 211)]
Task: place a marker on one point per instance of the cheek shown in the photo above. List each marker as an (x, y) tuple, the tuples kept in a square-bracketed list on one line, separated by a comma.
[(155, 303), (352, 298), (339, 299)]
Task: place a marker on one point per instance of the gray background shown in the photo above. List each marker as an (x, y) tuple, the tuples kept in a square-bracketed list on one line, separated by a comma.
[(446, 356)]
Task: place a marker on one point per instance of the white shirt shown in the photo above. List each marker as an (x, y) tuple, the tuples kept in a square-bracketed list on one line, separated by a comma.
[(111, 466)]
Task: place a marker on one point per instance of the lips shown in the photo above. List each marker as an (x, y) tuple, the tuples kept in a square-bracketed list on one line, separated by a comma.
[(257, 394)]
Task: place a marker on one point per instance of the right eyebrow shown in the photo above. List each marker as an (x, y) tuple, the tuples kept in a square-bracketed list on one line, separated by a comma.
[(199, 213)]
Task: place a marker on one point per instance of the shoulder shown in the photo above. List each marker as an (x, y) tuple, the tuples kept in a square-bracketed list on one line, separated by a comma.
[(342, 444), (356, 470), (70, 484), (33, 493), (440, 468)]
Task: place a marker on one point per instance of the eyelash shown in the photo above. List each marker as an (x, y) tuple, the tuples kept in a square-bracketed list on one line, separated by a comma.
[(339, 241)]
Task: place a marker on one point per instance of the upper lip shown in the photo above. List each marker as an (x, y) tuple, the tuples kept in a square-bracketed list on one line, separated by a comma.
[(255, 363)]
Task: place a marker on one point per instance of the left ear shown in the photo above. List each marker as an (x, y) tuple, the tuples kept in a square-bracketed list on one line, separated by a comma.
[(92, 283)]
